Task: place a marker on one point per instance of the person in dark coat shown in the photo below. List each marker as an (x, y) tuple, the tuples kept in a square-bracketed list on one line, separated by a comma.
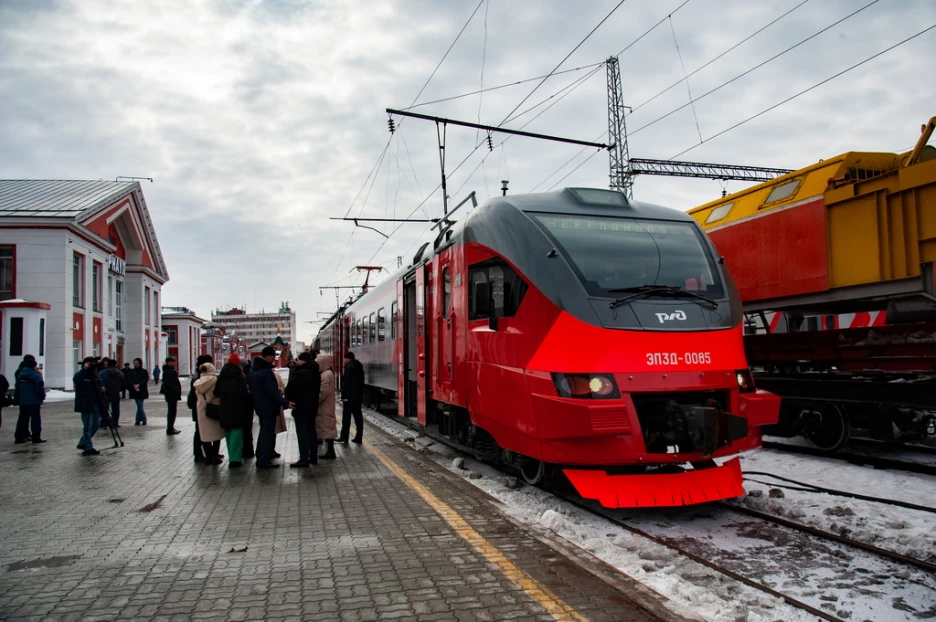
[(29, 393), (113, 380), (4, 400), (303, 391), (87, 396), (248, 424), (138, 380), (171, 389), (236, 409), (267, 401), (200, 449), (156, 372), (352, 398), (126, 372)]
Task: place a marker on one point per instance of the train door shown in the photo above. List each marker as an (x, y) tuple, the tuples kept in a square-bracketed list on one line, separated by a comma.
[(423, 312), (410, 359), (444, 333), (399, 332)]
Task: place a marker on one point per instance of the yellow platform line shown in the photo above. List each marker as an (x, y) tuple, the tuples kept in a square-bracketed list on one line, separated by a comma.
[(558, 608)]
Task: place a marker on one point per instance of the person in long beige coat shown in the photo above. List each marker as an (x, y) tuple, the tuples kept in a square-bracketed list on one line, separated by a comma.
[(208, 429), (326, 422), (281, 417)]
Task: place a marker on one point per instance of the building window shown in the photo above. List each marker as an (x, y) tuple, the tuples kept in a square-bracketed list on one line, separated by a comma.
[(95, 287), (381, 324), (393, 320), (16, 336), (147, 312), (78, 280), (173, 336), (7, 272), (118, 305), (156, 306), (110, 296), (42, 337)]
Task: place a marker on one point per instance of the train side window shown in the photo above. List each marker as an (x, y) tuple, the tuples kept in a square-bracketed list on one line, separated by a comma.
[(446, 291), (783, 192), (373, 329), (381, 324), (507, 289), (362, 336), (393, 320)]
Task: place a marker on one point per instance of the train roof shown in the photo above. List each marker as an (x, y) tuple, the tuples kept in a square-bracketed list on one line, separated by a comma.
[(588, 202), (806, 183)]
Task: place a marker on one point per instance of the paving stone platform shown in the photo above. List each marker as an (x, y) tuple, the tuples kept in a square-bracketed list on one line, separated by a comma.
[(144, 533)]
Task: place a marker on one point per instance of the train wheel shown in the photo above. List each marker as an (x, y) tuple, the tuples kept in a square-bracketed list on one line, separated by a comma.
[(532, 471), (832, 429)]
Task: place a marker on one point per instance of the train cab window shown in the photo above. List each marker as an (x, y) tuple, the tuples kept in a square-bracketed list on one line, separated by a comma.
[(719, 212), (393, 320), (783, 192), (446, 291), (507, 289), (372, 333), (381, 324)]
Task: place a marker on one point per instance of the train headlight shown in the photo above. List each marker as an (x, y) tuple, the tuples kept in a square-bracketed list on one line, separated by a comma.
[(586, 386), (745, 381)]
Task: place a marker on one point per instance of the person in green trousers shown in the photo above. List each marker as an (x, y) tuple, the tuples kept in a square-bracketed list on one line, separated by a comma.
[(236, 408)]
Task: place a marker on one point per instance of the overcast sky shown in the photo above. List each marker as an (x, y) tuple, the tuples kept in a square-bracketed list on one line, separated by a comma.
[(261, 119)]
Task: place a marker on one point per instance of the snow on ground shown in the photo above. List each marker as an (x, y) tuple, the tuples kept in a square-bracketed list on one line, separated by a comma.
[(694, 589), (56, 395), (903, 530)]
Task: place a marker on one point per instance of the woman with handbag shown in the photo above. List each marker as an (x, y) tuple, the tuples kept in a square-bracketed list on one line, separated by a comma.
[(208, 411)]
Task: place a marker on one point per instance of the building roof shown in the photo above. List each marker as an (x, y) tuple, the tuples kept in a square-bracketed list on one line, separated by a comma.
[(58, 197)]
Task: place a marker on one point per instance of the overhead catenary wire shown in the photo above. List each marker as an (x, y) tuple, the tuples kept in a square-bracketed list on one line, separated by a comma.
[(686, 76), (556, 68), (804, 91), (754, 68), (733, 47)]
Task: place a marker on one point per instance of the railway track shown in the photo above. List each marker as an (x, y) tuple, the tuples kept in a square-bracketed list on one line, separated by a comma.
[(860, 459), (787, 560)]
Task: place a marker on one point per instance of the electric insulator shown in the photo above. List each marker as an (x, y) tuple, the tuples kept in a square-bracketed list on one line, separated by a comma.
[(390, 123), (490, 143)]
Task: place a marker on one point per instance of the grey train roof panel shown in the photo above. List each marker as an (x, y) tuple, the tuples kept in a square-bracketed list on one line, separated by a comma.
[(57, 198)]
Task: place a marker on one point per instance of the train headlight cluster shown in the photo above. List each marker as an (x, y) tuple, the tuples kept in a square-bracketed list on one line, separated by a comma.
[(586, 386), (745, 381)]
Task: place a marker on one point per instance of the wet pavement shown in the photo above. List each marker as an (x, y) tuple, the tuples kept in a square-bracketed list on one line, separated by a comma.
[(143, 533)]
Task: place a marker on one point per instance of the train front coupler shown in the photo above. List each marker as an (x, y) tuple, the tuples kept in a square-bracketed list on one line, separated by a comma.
[(708, 428)]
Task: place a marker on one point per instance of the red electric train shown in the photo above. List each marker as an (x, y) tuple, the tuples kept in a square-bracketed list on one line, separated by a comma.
[(572, 332)]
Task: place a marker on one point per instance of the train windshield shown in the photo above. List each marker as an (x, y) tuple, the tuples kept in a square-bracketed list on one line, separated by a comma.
[(618, 253)]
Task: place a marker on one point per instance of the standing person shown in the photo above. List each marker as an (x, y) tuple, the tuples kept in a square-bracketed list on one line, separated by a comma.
[(200, 449), (352, 397), (113, 381), (4, 400), (171, 389), (248, 422), (29, 393), (87, 390), (209, 427), (156, 375), (236, 409), (126, 372), (326, 424), (303, 391), (267, 402), (138, 379)]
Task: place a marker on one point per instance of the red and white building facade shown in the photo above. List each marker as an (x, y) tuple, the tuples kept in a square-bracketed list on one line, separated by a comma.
[(183, 329), (88, 249)]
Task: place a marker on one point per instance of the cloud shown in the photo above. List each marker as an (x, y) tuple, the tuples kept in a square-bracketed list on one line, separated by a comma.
[(259, 119)]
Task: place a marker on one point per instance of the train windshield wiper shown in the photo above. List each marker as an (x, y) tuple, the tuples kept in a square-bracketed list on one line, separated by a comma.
[(658, 290)]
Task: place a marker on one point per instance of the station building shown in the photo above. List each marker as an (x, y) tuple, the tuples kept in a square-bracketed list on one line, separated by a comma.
[(88, 250), (253, 328), (184, 337)]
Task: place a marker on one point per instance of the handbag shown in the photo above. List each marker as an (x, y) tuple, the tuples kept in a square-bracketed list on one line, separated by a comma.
[(213, 411)]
